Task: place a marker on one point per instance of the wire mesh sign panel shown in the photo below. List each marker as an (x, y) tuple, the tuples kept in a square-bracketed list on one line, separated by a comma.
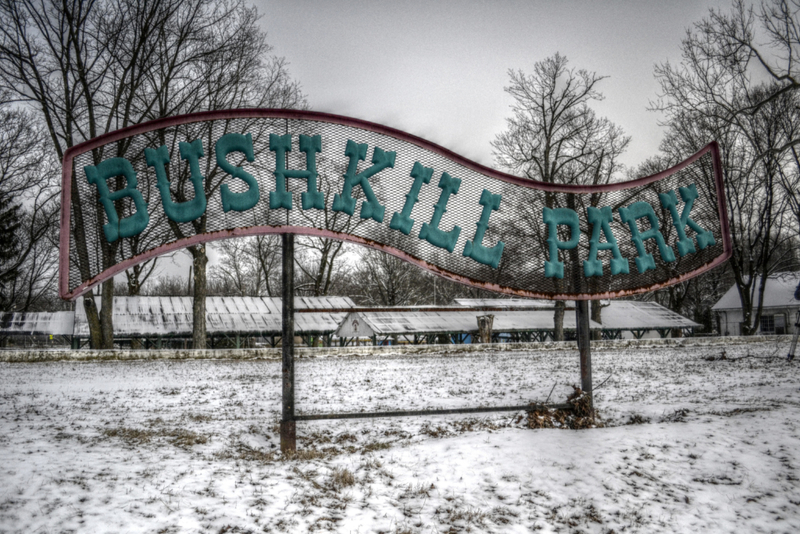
[(150, 189)]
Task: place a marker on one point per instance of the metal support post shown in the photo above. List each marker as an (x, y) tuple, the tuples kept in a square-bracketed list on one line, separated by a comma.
[(584, 343), (288, 425)]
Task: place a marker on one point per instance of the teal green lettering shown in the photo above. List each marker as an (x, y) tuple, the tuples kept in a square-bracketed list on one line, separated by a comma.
[(403, 221), (234, 142), (370, 208), (158, 159), (116, 227), (431, 232), (553, 218), (281, 198), (670, 201), (634, 212), (474, 249), (600, 218)]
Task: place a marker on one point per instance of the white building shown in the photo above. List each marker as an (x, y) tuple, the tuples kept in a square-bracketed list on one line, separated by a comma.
[(779, 313)]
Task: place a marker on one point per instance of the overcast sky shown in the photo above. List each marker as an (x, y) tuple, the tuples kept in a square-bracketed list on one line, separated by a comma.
[(438, 69)]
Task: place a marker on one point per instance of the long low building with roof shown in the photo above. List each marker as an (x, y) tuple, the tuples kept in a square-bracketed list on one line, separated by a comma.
[(38, 328), (227, 318), (622, 317), (619, 318), (158, 321), (38, 323), (450, 325), (152, 321)]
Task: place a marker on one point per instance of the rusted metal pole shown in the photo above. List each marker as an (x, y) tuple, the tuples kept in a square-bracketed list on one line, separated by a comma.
[(288, 424), (584, 343)]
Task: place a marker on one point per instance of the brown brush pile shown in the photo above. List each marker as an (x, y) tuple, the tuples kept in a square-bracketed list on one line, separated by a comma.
[(579, 415)]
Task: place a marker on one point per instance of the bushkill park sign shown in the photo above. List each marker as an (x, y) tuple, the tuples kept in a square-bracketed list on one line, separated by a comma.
[(153, 188), (146, 190)]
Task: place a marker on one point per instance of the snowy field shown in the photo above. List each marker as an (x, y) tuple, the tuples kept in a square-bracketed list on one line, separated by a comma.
[(686, 444)]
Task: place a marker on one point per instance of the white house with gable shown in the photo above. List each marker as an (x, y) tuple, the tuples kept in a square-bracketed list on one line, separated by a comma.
[(779, 313)]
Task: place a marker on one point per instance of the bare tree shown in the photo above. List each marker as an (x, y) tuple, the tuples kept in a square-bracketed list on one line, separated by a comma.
[(726, 51), (752, 166), (28, 187), (93, 66), (385, 280), (60, 57), (248, 266), (737, 82), (235, 268), (555, 137), (236, 70), (319, 259), (168, 286)]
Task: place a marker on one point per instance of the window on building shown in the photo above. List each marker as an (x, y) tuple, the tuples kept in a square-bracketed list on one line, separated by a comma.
[(767, 324), (780, 324)]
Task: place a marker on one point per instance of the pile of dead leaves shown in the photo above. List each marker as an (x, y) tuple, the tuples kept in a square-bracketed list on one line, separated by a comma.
[(580, 414)]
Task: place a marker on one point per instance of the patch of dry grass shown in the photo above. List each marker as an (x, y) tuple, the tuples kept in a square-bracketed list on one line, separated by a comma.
[(180, 437), (242, 451), (373, 446), (131, 436), (678, 416), (459, 519), (341, 478), (637, 419), (420, 489), (199, 418), (306, 454)]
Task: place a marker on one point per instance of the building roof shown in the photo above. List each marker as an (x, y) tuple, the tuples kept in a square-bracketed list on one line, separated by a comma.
[(317, 303), (37, 323), (508, 303), (635, 315), (616, 314), (778, 293), (388, 322), (172, 316)]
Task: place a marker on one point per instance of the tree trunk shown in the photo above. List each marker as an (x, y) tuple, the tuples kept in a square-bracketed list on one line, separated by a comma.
[(93, 318), (485, 323), (558, 321), (749, 326), (200, 260), (134, 288), (107, 314), (575, 285), (597, 317)]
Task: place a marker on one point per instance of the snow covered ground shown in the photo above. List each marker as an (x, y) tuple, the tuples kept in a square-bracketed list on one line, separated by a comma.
[(688, 445)]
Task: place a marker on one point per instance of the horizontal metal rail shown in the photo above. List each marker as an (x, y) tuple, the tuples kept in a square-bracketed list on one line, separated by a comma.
[(406, 413), (461, 309)]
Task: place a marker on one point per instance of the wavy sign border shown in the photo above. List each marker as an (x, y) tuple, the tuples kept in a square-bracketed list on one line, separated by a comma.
[(254, 113)]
